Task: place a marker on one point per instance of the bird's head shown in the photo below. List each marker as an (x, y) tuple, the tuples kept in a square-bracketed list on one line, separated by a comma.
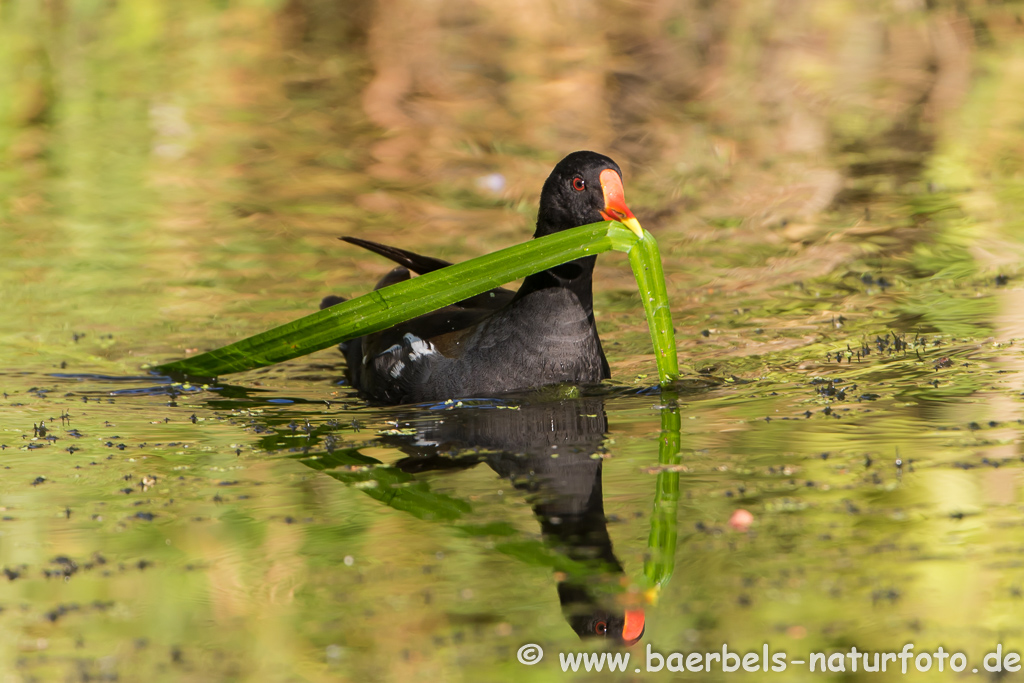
[(583, 188)]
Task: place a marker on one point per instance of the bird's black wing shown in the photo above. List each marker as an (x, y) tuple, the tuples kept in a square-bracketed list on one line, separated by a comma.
[(490, 300), (417, 263)]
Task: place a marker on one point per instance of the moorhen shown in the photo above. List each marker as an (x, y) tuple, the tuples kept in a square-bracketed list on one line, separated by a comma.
[(499, 341)]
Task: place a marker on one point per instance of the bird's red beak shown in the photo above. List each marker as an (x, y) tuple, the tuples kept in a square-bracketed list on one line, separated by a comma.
[(615, 208), (633, 629)]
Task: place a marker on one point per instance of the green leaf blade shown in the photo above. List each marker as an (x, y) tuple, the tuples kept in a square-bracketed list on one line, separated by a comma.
[(384, 308), (645, 260)]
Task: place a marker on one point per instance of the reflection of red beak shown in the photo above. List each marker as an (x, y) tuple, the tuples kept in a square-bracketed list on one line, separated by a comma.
[(633, 629), (615, 208)]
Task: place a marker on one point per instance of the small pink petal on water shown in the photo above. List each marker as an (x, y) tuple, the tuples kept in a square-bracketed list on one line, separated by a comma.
[(741, 520)]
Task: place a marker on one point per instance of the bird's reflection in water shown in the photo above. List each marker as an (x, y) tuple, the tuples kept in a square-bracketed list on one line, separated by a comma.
[(551, 451)]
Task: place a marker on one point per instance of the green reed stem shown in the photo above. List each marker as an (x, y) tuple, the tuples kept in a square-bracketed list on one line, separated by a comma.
[(402, 301)]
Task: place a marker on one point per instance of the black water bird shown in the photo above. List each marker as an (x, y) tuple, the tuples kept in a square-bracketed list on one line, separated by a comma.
[(500, 341)]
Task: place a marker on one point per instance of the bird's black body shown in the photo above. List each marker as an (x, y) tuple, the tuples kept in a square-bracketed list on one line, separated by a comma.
[(499, 341)]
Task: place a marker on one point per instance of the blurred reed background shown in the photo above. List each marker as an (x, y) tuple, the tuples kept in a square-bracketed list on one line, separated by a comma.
[(337, 114)]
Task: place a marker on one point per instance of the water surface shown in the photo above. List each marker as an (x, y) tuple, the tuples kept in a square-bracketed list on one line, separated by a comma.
[(837, 193)]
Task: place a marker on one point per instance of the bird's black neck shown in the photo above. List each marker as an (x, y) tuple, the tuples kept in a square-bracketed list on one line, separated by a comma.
[(576, 276)]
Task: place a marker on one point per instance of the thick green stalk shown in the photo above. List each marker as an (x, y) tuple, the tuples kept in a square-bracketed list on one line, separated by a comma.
[(645, 259), (402, 301)]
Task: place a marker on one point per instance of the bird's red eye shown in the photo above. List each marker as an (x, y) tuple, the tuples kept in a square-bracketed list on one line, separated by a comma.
[(600, 628), (578, 184)]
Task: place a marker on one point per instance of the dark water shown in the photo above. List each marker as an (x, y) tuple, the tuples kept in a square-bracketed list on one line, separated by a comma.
[(837, 191)]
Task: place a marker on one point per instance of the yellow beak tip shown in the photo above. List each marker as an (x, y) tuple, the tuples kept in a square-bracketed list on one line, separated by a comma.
[(634, 225)]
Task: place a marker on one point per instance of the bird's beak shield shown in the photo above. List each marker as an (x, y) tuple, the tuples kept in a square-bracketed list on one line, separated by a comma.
[(615, 208), (633, 628)]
